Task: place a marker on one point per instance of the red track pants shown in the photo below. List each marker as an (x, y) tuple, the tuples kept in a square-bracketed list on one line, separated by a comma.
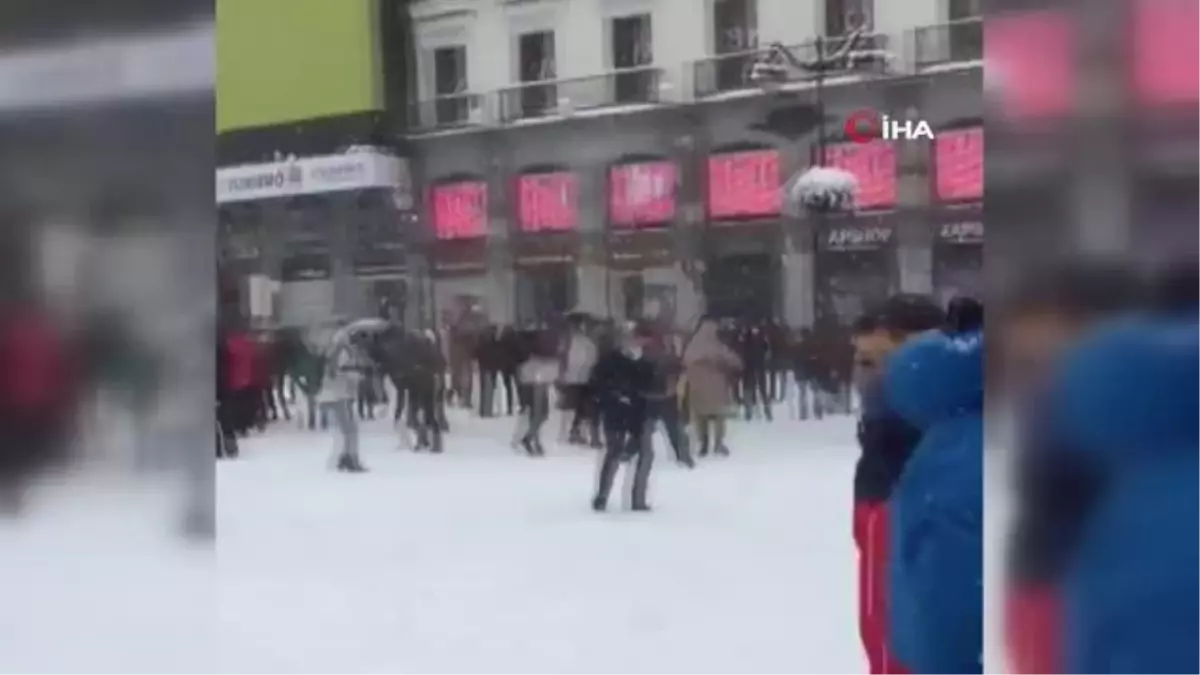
[(871, 537), (1031, 629)]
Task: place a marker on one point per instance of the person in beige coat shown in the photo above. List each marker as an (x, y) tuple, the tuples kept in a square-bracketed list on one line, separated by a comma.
[(709, 367)]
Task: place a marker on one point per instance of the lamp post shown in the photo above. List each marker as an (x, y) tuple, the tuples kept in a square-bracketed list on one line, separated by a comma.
[(819, 190)]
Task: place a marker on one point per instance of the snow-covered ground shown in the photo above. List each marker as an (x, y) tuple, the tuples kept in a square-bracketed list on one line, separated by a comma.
[(479, 560), (483, 560)]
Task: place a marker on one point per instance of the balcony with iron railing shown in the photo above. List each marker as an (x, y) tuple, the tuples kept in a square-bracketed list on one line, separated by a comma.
[(451, 111), (731, 72), (531, 100), (956, 41)]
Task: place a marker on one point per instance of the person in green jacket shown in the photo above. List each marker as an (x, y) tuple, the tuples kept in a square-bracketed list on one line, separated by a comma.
[(308, 370)]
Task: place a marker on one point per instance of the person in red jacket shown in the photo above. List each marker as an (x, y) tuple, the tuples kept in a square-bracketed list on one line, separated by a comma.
[(241, 352), (886, 440), (37, 402)]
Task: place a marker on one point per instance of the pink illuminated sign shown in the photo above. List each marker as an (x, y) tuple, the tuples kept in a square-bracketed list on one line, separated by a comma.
[(642, 194), (874, 165), (958, 164), (459, 209), (548, 202), (745, 184)]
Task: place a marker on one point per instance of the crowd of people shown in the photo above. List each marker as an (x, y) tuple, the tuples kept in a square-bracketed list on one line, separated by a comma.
[(614, 383), (1098, 362)]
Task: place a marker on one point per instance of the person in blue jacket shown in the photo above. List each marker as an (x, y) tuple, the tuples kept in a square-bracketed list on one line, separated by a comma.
[(1126, 399), (935, 381)]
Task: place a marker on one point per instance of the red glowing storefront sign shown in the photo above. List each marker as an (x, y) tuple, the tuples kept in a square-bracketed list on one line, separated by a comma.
[(1031, 58), (874, 165), (958, 164), (744, 184), (1163, 52), (642, 194), (459, 209), (548, 202)]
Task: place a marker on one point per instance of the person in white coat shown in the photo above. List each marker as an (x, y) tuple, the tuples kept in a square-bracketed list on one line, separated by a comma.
[(345, 367), (578, 361)]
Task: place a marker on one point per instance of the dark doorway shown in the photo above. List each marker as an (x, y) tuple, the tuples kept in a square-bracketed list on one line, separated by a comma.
[(849, 282), (546, 293), (634, 293), (390, 298), (742, 286), (957, 271)]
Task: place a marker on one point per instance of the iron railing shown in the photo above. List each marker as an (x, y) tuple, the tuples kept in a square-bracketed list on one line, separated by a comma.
[(952, 42), (731, 72), (451, 111), (562, 97)]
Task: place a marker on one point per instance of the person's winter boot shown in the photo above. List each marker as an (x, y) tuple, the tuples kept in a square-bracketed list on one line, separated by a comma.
[(350, 464), (687, 462), (599, 505), (528, 446), (641, 507), (721, 450), (539, 449)]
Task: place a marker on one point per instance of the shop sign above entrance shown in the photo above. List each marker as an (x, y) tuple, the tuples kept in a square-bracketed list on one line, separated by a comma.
[(313, 175)]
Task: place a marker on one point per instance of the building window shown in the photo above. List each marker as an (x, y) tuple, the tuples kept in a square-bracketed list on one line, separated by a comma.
[(735, 36), (449, 83), (632, 51), (966, 30), (844, 16), (965, 9), (537, 70)]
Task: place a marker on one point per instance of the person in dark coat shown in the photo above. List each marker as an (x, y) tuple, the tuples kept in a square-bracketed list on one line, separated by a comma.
[(823, 368), (778, 353), (622, 379), (887, 441), (512, 353), (804, 367), (538, 374), (1053, 491), (424, 375), (755, 354), (227, 445), (663, 399), (489, 356)]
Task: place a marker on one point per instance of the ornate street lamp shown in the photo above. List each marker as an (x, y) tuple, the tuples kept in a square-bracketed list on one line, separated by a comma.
[(820, 189)]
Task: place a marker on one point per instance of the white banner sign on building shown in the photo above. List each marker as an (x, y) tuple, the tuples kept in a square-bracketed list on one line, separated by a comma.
[(315, 175)]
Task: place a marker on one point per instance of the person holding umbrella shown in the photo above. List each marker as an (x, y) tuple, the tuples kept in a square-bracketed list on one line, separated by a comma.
[(346, 364)]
